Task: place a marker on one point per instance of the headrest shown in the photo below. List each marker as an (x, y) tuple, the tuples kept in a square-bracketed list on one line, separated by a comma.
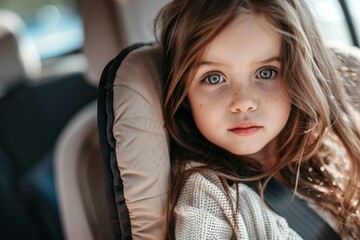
[(139, 150), (19, 59)]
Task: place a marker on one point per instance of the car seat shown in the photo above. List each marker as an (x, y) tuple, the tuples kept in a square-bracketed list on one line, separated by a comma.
[(19, 60), (33, 111), (134, 142), (80, 179), (88, 186), (113, 23), (31, 119)]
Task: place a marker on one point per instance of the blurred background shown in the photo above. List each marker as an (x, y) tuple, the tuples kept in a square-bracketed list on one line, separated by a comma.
[(52, 53)]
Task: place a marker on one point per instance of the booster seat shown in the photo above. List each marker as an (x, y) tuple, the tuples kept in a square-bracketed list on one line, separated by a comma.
[(133, 140)]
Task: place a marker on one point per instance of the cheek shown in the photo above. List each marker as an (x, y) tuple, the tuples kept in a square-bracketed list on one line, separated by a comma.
[(205, 112), (284, 99), (275, 94), (276, 104), (281, 107)]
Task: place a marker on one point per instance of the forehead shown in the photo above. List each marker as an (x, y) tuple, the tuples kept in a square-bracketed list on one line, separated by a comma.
[(248, 36)]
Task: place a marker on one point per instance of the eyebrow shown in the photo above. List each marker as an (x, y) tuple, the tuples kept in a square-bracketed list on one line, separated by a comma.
[(268, 60), (209, 63)]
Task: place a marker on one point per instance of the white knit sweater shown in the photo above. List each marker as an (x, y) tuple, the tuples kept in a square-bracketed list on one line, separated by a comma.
[(203, 212)]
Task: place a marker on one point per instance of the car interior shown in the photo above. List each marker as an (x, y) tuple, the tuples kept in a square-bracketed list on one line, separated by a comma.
[(73, 120)]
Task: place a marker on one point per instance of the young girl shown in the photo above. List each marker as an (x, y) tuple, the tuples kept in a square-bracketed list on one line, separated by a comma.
[(252, 94)]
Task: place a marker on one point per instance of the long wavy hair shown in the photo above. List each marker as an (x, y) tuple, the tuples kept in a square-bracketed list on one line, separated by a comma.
[(319, 148)]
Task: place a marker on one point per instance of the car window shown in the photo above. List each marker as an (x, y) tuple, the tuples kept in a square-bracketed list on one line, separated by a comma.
[(137, 17), (54, 25), (354, 8), (332, 22)]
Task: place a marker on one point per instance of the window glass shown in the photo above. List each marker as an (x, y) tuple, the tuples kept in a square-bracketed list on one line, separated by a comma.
[(137, 17), (354, 7), (331, 20), (54, 25)]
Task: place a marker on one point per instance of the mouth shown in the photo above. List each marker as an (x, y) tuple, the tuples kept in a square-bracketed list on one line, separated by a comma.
[(245, 129)]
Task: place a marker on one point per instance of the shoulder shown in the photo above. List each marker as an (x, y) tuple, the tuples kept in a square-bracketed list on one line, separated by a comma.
[(202, 189), (246, 213), (203, 183), (205, 188), (203, 179), (208, 180), (198, 212)]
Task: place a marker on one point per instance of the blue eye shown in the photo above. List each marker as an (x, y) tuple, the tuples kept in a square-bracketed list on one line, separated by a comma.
[(266, 74), (214, 79)]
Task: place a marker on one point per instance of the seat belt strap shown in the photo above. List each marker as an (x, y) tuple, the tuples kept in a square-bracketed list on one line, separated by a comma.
[(300, 217)]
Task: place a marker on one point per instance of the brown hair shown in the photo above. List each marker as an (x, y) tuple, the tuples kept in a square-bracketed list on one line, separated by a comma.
[(319, 148)]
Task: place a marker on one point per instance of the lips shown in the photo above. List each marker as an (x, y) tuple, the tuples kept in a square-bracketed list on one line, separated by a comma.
[(245, 128)]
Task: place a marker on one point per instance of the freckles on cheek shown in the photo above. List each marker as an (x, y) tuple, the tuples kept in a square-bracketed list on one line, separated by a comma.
[(205, 100), (202, 106), (197, 105), (267, 97), (202, 101), (207, 104), (203, 109), (273, 96)]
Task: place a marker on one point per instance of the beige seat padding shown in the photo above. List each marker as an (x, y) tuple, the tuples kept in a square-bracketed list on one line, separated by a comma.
[(142, 148)]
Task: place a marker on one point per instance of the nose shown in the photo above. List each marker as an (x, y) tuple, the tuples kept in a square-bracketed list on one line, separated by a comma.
[(243, 101)]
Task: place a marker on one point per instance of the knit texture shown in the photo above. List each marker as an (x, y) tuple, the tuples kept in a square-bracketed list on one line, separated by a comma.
[(204, 212)]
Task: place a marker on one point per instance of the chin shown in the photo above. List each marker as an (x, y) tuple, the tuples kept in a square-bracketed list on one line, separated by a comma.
[(244, 152)]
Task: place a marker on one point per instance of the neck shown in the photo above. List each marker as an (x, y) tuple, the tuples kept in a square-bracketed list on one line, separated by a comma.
[(267, 157)]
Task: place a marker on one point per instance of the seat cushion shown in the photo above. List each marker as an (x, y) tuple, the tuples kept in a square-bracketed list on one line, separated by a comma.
[(136, 147)]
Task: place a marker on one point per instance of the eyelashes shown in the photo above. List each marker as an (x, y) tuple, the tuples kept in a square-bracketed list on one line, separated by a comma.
[(266, 73), (216, 78)]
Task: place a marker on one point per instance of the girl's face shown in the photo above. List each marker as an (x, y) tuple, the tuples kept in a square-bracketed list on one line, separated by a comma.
[(236, 98)]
